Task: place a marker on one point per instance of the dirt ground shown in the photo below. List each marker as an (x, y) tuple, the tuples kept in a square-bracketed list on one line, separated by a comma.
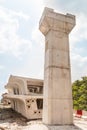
[(11, 120)]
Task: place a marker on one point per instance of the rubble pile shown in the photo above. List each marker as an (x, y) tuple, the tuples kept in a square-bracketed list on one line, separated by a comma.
[(11, 120)]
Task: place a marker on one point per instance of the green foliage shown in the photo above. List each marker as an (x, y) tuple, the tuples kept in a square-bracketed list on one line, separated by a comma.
[(79, 89)]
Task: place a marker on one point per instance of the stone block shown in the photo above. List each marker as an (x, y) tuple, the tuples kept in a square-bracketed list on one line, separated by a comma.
[(59, 83), (57, 58), (59, 111)]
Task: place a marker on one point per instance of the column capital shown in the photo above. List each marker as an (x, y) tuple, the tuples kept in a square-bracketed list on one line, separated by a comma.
[(51, 20)]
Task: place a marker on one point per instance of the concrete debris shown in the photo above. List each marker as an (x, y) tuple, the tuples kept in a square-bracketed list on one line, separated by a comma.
[(11, 120)]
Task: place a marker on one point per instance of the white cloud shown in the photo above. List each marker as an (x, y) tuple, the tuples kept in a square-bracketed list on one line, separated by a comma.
[(79, 66), (12, 13), (80, 30), (37, 36), (77, 6), (19, 14), (1, 67), (78, 35), (10, 41), (1, 1)]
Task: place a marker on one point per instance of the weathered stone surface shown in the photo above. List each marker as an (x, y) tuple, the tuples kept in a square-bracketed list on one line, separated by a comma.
[(23, 93), (57, 105)]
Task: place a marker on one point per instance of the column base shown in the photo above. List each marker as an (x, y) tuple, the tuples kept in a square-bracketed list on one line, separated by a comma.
[(64, 127), (41, 126)]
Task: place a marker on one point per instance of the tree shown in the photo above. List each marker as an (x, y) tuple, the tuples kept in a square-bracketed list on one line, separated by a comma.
[(79, 89)]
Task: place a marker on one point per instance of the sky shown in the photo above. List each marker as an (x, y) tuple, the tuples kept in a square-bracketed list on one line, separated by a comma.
[(22, 44)]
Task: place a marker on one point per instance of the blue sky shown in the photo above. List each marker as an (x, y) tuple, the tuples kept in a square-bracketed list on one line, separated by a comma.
[(22, 44)]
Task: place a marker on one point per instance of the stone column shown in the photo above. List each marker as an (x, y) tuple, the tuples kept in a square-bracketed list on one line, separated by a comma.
[(57, 105)]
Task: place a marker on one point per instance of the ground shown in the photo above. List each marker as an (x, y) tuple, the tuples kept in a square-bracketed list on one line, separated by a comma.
[(81, 122), (10, 120)]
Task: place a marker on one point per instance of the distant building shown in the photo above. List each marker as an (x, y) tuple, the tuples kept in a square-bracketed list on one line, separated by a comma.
[(5, 101), (26, 96)]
